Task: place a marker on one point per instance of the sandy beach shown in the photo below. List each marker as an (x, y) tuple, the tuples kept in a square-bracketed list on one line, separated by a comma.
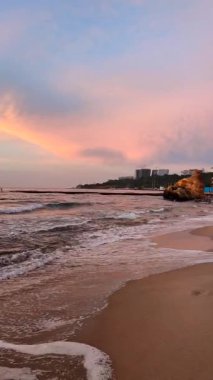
[(160, 327), (155, 328)]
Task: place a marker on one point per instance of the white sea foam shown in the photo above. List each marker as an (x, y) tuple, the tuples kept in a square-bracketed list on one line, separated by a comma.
[(35, 260), (126, 215), (20, 209), (53, 323), (158, 209), (207, 218), (96, 362), (17, 374)]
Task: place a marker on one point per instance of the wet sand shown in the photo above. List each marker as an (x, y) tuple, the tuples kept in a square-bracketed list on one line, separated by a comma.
[(200, 239), (160, 328)]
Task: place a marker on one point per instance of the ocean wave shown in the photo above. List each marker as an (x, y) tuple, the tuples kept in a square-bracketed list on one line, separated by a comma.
[(21, 209), (63, 228), (16, 258), (125, 215), (65, 205), (36, 206), (24, 262)]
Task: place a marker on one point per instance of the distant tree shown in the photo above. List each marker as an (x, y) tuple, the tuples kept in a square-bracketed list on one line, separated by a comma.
[(143, 183)]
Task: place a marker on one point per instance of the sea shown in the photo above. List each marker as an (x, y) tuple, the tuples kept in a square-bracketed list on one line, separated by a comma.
[(62, 255)]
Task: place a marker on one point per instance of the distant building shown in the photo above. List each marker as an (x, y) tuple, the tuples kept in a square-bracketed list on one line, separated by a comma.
[(189, 171), (142, 173), (160, 172), (154, 172)]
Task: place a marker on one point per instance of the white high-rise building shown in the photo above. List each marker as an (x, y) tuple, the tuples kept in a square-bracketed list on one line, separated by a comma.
[(162, 172), (187, 171)]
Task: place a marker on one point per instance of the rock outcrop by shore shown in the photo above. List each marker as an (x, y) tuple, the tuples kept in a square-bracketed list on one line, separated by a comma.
[(186, 189)]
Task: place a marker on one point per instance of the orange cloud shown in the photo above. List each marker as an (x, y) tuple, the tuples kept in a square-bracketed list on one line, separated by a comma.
[(15, 125)]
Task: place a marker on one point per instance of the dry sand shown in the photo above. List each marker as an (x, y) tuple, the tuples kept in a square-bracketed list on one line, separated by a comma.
[(160, 328)]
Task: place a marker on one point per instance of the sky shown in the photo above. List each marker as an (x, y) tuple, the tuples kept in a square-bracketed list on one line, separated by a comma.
[(93, 89)]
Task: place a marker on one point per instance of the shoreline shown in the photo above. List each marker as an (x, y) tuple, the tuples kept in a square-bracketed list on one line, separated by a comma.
[(159, 327)]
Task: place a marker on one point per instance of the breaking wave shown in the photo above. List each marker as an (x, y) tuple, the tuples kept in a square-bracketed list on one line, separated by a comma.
[(38, 206), (21, 209), (65, 205), (77, 227), (21, 263)]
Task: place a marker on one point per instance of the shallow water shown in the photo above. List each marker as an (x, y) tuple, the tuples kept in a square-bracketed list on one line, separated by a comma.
[(62, 255)]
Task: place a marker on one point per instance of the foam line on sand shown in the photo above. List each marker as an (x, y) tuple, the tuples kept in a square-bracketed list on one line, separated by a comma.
[(96, 362)]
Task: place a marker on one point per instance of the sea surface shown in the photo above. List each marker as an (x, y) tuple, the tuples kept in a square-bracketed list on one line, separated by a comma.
[(62, 255)]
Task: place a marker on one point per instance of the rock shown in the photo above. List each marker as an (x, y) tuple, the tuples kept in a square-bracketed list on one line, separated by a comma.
[(186, 189)]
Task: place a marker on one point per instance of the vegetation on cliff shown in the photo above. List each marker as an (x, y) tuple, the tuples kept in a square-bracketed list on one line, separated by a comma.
[(152, 182)]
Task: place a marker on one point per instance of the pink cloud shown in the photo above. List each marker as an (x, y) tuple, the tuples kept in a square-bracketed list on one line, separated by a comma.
[(125, 119)]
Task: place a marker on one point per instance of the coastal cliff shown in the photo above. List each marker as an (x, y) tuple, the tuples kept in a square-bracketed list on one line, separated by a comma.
[(187, 188)]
